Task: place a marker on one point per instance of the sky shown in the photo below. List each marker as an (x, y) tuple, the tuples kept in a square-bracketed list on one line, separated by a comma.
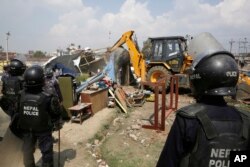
[(48, 25)]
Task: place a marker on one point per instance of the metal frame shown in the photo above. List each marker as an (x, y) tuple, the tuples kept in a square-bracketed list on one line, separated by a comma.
[(165, 110)]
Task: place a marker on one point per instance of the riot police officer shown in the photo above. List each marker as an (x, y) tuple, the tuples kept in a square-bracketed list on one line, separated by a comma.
[(11, 86), (52, 84), (5, 73), (38, 111), (204, 133)]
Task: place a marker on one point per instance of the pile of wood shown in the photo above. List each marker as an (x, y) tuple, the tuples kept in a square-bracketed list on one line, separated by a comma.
[(125, 99)]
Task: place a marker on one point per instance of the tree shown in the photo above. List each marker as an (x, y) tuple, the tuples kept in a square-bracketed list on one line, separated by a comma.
[(1, 49), (38, 54)]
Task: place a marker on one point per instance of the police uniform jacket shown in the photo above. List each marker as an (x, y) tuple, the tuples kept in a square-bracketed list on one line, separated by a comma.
[(38, 110), (183, 134)]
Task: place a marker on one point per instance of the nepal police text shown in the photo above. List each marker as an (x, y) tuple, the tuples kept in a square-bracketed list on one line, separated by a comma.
[(30, 110), (220, 157)]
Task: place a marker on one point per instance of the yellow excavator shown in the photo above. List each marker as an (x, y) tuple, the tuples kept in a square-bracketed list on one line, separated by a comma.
[(243, 87), (245, 77), (168, 56)]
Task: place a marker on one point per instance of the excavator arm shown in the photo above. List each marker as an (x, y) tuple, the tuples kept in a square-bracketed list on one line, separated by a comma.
[(136, 57), (126, 36)]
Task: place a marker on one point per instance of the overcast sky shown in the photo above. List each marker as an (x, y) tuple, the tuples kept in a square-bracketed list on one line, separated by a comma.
[(48, 25)]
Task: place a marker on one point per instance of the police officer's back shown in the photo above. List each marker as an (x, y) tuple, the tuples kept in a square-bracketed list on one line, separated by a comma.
[(38, 110), (203, 134), (12, 84)]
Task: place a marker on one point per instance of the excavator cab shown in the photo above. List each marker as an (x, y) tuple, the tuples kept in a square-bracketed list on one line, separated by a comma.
[(168, 51), (168, 56)]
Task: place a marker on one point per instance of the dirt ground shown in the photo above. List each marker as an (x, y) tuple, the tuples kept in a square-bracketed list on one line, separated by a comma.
[(127, 144), (110, 138)]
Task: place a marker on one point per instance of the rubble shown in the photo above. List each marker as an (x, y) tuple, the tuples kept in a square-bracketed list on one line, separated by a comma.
[(133, 136)]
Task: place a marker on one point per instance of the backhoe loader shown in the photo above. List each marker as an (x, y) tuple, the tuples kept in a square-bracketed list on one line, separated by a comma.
[(168, 57), (243, 87)]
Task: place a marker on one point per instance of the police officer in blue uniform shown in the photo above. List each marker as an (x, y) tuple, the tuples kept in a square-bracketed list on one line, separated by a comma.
[(38, 112), (204, 133), (5, 73), (12, 84), (52, 84)]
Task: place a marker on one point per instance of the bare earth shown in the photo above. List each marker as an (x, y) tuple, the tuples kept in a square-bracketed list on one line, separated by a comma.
[(109, 138)]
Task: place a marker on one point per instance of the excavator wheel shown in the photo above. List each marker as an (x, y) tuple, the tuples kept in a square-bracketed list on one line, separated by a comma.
[(157, 72)]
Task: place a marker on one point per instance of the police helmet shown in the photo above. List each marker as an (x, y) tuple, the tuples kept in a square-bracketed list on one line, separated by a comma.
[(34, 77), (49, 72), (16, 67), (216, 74)]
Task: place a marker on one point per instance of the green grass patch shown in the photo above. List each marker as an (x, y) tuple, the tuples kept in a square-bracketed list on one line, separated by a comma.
[(128, 158)]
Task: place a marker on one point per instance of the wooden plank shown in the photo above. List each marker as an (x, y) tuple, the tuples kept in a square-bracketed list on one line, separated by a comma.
[(79, 106), (124, 96), (121, 98), (122, 93), (117, 101)]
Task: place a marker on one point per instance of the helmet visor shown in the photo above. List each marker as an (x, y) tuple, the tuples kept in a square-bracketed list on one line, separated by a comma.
[(203, 46)]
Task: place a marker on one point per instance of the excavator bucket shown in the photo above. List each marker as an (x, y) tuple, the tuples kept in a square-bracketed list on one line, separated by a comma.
[(115, 64), (118, 66)]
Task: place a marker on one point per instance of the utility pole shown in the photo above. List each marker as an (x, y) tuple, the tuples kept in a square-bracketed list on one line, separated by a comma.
[(231, 44), (7, 43), (243, 51), (245, 45)]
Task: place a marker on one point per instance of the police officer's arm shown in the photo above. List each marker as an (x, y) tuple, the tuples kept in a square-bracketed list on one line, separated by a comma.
[(55, 108), (22, 82), (179, 141), (3, 87), (58, 91), (173, 148), (3, 103), (56, 113)]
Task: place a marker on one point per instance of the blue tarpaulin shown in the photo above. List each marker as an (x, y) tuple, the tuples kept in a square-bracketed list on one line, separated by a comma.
[(65, 70), (110, 69)]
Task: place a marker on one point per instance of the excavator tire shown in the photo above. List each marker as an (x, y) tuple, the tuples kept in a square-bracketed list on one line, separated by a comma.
[(157, 72)]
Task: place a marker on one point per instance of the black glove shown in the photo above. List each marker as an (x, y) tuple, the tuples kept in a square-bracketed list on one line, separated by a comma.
[(57, 125), (14, 126), (4, 104)]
